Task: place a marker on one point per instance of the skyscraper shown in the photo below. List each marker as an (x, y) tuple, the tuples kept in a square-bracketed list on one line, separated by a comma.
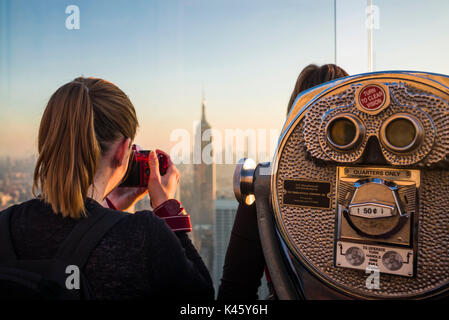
[(203, 193), (225, 210), (203, 173)]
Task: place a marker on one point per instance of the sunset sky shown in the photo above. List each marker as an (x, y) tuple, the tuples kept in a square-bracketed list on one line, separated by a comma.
[(246, 54)]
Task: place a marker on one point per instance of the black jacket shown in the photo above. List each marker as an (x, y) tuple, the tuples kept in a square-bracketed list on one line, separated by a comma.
[(139, 257), (244, 263)]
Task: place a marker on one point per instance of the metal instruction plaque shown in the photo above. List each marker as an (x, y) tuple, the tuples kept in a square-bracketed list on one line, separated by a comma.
[(392, 260), (304, 193)]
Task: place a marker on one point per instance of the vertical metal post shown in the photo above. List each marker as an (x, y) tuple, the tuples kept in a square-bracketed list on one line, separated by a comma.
[(370, 36), (335, 31)]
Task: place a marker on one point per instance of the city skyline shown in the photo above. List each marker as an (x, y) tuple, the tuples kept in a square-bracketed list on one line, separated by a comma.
[(243, 58)]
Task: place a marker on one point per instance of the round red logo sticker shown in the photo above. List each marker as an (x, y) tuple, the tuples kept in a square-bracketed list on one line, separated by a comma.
[(372, 97)]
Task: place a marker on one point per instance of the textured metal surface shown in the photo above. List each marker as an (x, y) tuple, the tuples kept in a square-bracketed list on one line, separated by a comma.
[(310, 232), (431, 110)]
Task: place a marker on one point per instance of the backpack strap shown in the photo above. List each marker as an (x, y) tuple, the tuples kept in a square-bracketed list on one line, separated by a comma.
[(7, 252), (86, 235)]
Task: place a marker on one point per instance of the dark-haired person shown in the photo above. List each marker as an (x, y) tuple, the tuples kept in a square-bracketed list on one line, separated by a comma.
[(313, 75), (244, 263), (85, 142)]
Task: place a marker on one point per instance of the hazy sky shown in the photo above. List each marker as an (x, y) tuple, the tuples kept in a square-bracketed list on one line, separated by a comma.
[(246, 54)]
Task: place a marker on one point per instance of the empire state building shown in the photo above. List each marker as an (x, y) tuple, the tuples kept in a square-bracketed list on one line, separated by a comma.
[(203, 173)]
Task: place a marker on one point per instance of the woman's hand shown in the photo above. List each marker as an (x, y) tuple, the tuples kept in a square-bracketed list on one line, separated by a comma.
[(162, 188), (124, 198)]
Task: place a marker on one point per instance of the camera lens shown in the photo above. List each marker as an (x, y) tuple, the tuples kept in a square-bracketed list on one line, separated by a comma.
[(401, 133), (344, 132)]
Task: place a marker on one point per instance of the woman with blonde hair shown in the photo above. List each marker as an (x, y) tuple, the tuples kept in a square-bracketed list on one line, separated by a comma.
[(74, 240)]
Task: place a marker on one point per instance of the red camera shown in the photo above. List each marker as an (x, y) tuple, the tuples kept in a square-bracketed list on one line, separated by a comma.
[(138, 171)]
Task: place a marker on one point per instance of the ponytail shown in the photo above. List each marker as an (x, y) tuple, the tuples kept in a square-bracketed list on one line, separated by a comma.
[(81, 119)]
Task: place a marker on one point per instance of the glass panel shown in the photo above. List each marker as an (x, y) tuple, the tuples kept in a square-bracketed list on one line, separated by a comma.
[(404, 35), (412, 35), (243, 57)]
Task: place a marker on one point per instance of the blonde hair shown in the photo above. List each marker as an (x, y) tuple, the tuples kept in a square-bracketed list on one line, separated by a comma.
[(81, 120)]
